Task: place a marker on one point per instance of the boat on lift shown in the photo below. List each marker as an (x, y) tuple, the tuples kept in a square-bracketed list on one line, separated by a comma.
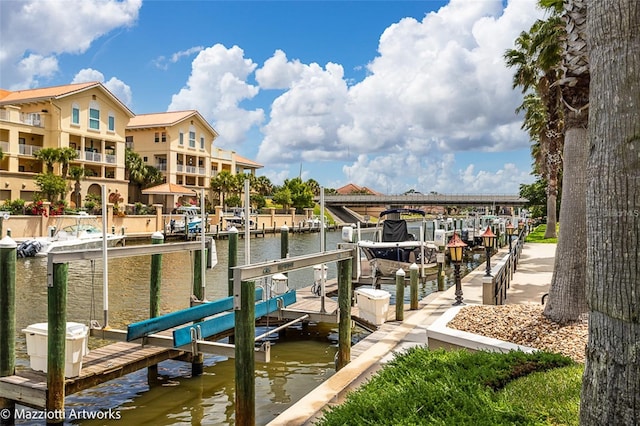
[(394, 247)]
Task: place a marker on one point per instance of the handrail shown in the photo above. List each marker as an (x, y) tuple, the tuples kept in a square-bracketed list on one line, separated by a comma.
[(494, 289)]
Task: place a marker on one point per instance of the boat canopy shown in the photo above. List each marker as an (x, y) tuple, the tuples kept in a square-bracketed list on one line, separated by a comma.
[(403, 210)]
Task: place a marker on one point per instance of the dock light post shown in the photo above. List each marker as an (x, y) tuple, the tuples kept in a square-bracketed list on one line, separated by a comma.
[(510, 230), (456, 248), (488, 239)]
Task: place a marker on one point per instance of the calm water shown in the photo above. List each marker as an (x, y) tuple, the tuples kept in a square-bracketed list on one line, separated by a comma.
[(299, 363)]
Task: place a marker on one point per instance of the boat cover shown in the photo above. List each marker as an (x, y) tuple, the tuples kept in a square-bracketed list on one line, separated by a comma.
[(394, 230)]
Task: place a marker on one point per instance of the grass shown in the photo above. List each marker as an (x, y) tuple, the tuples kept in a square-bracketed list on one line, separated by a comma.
[(537, 235), (422, 386)]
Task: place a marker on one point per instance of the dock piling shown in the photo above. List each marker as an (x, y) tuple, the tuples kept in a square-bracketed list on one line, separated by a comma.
[(8, 256), (154, 296), (400, 294), (344, 305), (56, 340), (245, 330), (413, 274)]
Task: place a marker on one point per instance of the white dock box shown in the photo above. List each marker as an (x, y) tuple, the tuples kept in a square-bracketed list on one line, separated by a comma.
[(373, 304), (76, 346)]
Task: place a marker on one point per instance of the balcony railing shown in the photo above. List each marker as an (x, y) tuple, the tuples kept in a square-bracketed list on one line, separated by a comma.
[(4, 115), (161, 166), (111, 159), (4, 146), (180, 168), (24, 149), (191, 169), (202, 171), (32, 119)]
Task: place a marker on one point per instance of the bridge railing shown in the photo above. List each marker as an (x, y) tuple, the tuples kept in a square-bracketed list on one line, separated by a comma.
[(494, 288)]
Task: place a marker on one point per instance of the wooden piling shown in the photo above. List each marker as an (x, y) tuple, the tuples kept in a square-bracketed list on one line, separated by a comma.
[(156, 277), (56, 340), (7, 320), (233, 257), (197, 359), (245, 330), (284, 242), (154, 297), (400, 294), (344, 305), (413, 275)]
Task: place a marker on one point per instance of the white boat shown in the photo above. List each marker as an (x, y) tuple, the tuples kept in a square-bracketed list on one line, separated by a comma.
[(394, 248), (189, 215), (83, 234)]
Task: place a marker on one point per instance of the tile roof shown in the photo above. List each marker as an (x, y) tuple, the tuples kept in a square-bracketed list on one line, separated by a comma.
[(55, 92), (166, 119), (243, 160)]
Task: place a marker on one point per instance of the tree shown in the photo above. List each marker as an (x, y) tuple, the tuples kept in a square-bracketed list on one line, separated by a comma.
[(536, 196), (301, 195), (536, 60), (77, 173), (283, 197), (222, 183), (49, 156), (1, 154), (51, 186), (263, 186), (567, 299), (611, 380), (65, 155)]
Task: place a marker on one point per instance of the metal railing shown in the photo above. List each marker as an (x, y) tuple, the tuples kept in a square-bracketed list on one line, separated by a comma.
[(494, 289), (24, 149)]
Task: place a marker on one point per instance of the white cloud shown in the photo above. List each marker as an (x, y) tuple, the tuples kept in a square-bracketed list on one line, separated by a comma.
[(437, 86), (216, 87), (34, 32), (163, 62), (121, 90)]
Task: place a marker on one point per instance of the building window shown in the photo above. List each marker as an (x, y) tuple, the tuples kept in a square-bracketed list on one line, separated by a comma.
[(145, 159), (112, 122), (164, 136), (94, 116), (75, 114), (201, 142), (181, 138), (192, 139), (156, 137)]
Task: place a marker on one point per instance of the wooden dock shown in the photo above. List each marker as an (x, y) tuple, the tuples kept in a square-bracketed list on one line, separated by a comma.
[(29, 387)]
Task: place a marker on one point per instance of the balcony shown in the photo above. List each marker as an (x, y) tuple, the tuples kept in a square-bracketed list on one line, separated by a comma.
[(24, 149), (4, 146), (32, 119), (161, 166)]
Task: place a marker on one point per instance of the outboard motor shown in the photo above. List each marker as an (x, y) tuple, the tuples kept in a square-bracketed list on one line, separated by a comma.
[(28, 248)]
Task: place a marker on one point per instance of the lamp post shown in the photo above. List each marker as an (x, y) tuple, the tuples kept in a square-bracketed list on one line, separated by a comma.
[(488, 239), (510, 230), (456, 248), (520, 228)]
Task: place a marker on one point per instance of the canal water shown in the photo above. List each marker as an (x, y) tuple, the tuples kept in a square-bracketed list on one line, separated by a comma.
[(300, 361)]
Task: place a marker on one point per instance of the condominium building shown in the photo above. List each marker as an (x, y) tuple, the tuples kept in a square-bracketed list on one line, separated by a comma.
[(180, 145), (85, 116), (90, 119)]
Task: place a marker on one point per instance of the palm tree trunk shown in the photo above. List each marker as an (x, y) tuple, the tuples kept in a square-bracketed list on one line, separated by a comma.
[(552, 204), (611, 381)]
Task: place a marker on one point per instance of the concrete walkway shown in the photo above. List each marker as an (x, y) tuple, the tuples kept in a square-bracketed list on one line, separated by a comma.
[(530, 282)]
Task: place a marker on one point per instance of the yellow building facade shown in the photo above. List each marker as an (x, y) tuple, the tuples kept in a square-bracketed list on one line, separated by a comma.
[(90, 119), (86, 117)]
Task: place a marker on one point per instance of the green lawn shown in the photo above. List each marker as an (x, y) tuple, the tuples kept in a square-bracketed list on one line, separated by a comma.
[(537, 235), (436, 387)]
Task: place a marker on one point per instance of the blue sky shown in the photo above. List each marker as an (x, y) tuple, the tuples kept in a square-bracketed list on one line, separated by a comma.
[(393, 95)]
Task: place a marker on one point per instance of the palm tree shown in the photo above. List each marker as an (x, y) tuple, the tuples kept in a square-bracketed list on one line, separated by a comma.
[(222, 183), (536, 59), (611, 381), (77, 173), (263, 186), (567, 296), (65, 155), (49, 156)]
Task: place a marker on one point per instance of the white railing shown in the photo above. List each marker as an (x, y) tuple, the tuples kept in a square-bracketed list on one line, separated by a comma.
[(32, 119), (161, 166), (202, 171), (4, 146), (111, 159), (191, 169), (24, 149), (180, 168)]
